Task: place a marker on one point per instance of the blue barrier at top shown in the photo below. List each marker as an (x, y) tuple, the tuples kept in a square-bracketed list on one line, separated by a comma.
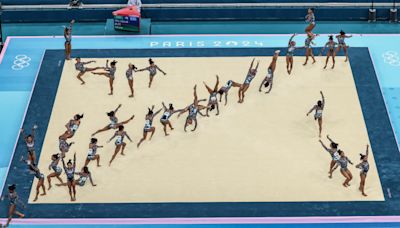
[(35, 2)]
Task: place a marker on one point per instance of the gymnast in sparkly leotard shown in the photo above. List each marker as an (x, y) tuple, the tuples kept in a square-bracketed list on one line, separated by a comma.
[(342, 44), (68, 40), (225, 90), (109, 73), (69, 170), (343, 162), (308, 46), (331, 45), (84, 175), (119, 142), (30, 144), (290, 53), (40, 177), (318, 108), (251, 74), (193, 109), (269, 78), (364, 168), (80, 66), (333, 152), (213, 100), (57, 170), (148, 125), (72, 126), (153, 68), (130, 75), (114, 124), (14, 201), (165, 117), (92, 152), (310, 19)]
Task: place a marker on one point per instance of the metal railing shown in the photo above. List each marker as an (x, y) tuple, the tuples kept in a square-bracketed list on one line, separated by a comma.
[(199, 5)]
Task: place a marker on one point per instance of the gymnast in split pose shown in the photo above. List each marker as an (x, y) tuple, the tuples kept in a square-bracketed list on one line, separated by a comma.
[(152, 70), (68, 40), (251, 74), (319, 108), (193, 109), (290, 53), (212, 100), (63, 145), (225, 90), (119, 142), (343, 163), (30, 143), (57, 170), (331, 45), (148, 125), (130, 75), (14, 201), (269, 79), (39, 176), (114, 124), (168, 112), (84, 175), (72, 126), (109, 73), (308, 45), (342, 44), (310, 19), (333, 151), (69, 170), (92, 153), (80, 66), (364, 167)]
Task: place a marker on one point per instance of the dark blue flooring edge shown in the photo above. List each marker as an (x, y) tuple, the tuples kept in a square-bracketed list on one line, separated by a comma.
[(382, 141)]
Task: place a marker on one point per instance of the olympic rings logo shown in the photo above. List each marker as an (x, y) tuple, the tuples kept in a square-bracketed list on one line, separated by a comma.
[(21, 62), (392, 58)]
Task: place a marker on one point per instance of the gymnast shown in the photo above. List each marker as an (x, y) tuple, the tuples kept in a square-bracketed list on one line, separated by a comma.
[(290, 53), (130, 75), (83, 176), (72, 126), (148, 125), (319, 107), (364, 166), (193, 109), (92, 153), (251, 74), (113, 121), (269, 79), (13, 202), (80, 66), (57, 170), (225, 89), (63, 145), (68, 39), (109, 73), (331, 51), (70, 172), (333, 151), (39, 176), (119, 142), (343, 162), (307, 44), (168, 112), (212, 100), (342, 44), (30, 143), (152, 70), (310, 18)]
